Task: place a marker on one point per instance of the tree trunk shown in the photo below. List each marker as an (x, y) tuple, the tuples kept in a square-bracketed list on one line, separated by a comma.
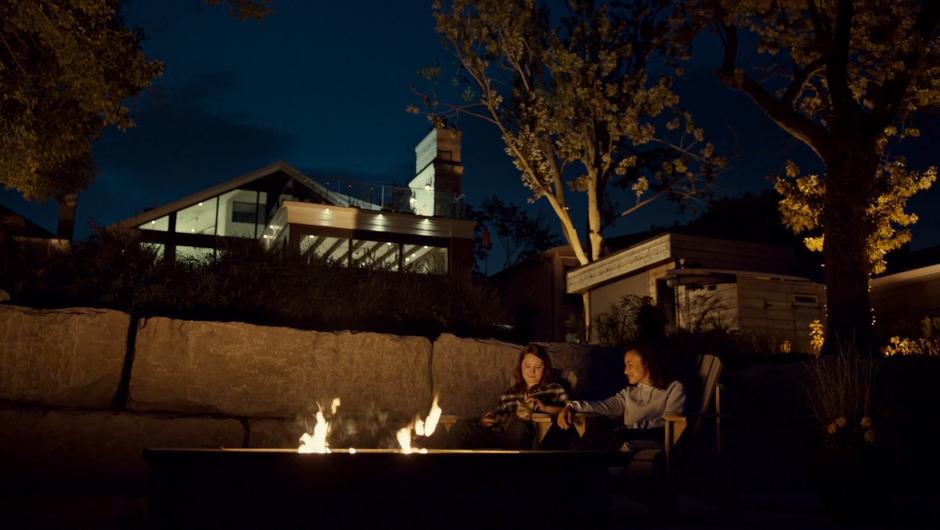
[(850, 178), (67, 205), (586, 302), (595, 239)]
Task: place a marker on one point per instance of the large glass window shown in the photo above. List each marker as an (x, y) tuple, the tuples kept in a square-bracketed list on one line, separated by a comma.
[(244, 212), (156, 248), (380, 255), (424, 259), (241, 213), (325, 249), (198, 218), (160, 225), (193, 253)]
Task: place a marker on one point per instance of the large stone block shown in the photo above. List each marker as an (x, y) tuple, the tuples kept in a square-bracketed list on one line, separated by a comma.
[(104, 448), (470, 374), (71, 357), (247, 370)]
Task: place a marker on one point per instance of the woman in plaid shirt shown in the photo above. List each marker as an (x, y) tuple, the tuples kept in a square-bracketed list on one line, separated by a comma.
[(510, 425)]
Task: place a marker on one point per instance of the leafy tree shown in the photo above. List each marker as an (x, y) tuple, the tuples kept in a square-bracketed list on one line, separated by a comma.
[(518, 235), (848, 78), (803, 203), (66, 71), (579, 104)]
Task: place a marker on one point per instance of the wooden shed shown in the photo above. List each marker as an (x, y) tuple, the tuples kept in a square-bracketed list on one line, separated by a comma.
[(705, 283)]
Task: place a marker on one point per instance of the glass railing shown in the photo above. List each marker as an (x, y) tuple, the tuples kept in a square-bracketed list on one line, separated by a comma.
[(392, 198)]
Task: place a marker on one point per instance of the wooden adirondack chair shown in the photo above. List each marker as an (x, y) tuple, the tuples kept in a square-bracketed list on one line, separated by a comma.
[(652, 461)]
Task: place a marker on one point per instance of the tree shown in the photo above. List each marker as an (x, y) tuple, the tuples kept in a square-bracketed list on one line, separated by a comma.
[(578, 105), (803, 203), (518, 235), (66, 71), (849, 78)]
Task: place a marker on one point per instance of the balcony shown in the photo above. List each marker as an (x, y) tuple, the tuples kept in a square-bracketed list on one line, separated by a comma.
[(390, 198)]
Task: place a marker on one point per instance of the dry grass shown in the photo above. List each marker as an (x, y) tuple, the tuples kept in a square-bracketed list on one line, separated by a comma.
[(841, 385)]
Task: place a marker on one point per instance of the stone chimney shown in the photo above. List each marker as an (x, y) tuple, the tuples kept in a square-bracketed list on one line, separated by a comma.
[(438, 171)]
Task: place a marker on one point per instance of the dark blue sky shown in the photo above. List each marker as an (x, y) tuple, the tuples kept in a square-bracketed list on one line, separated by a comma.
[(324, 86)]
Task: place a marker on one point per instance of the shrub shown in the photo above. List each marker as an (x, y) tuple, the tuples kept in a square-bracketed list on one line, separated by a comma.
[(246, 283), (928, 343), (633, 317)]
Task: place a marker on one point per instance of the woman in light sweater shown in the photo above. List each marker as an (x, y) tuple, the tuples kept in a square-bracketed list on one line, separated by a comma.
[(649, 396)]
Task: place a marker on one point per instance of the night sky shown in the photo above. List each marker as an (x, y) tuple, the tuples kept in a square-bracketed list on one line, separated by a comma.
[(325, 88)]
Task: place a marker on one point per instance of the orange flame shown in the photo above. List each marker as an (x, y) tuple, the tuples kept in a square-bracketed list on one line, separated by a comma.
[(425, 428), (316, 443)]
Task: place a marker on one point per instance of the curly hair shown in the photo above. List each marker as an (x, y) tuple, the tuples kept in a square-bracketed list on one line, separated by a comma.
[(656, 364)]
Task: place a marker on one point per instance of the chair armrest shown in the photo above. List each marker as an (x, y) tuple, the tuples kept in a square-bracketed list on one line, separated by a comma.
[(580, 420), (676, 418), (541, 417), (675, 426)]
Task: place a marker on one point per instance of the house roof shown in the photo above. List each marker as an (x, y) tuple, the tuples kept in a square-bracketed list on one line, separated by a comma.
[(705, 276), (16, 225), (235, 183), (684, 250)]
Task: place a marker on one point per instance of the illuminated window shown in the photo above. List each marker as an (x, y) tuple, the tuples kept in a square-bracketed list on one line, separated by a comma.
[(423, 259), (156, 248), (194, 253), (198, 218), (325, 249), (380, 255), (160, 225)]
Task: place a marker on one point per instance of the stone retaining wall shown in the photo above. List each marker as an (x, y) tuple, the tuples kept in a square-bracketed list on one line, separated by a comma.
[(246, 370), (227, 384), (68, 357)]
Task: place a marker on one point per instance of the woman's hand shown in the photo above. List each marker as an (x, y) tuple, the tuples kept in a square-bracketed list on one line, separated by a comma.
[(488, 420), (564, 417), (535, 404)]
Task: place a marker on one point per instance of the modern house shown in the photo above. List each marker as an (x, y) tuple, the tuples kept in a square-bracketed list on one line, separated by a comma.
[(415, 228), (908, 293), (704, 283)]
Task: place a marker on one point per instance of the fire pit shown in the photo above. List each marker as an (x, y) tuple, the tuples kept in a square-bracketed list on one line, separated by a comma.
[(374, 488)]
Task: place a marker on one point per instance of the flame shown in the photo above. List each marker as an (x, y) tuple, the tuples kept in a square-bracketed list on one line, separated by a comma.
[(316, 443), (425, 428), (430, 424), (404, 439)]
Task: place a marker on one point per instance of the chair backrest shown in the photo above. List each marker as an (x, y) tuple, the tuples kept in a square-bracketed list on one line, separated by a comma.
[(709, 370)]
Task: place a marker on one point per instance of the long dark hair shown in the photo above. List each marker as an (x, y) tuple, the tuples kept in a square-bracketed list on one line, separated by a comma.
[(542, 354), (656, 364)]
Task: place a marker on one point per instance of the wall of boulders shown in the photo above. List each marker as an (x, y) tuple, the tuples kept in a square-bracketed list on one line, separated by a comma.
[(84, 391)]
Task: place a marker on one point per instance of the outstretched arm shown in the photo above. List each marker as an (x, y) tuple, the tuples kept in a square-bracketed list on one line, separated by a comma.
[(612, 406)]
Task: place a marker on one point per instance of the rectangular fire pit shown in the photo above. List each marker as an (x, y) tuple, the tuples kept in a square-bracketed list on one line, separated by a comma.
[(244, 488)]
